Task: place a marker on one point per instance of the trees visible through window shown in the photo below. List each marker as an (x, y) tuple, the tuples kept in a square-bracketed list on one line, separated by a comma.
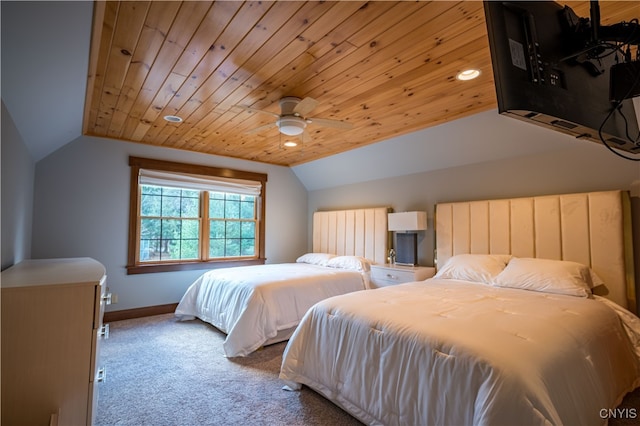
[(169, 224), (232, 227), (185, 217)]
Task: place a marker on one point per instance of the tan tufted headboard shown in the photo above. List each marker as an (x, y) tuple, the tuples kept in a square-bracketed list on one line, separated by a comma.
[(590, 228), (359, 232)]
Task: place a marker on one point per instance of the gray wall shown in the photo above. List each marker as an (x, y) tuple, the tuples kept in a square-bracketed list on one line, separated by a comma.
[(585, 167), (82, 201), (17, 194), (81, 208)]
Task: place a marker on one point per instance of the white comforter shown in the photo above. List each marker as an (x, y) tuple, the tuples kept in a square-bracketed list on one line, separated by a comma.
[(251, 304), (457, 353)]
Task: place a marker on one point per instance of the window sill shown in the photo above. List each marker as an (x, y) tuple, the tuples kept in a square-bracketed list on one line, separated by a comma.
[(190, 266)]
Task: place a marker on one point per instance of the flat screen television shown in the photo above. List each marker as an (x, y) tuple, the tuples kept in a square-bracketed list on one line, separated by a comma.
[(541, 75)]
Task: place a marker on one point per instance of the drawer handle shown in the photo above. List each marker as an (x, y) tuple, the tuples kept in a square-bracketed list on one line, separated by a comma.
[(104, 331), (107, 299), (393, 277), (101, 376)]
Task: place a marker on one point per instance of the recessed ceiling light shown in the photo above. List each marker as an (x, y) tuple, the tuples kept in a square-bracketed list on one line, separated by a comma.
[(290, 144), (468, 74), (173, 118)]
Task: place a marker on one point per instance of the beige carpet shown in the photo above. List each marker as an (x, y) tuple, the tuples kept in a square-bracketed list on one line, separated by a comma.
[(164, 372), (161, 371)]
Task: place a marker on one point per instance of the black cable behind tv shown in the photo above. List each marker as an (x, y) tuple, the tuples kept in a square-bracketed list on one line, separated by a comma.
[(549, 71)]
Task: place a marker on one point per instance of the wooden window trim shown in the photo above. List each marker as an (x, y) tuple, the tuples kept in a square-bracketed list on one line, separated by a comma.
[(137, 163)]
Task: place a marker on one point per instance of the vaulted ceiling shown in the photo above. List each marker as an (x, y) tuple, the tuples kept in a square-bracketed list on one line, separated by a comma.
[(382, 68)]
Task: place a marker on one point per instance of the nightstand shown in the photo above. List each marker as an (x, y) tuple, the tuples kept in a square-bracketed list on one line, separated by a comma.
[(385, 275)]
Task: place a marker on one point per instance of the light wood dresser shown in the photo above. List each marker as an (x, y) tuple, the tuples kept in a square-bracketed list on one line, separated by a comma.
[(51, 331)]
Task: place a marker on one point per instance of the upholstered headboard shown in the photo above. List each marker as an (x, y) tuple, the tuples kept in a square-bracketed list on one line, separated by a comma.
[(590, 228), (359, 232)]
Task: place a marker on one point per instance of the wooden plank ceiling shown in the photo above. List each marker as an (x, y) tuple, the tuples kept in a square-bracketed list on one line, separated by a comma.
[(385, 68)]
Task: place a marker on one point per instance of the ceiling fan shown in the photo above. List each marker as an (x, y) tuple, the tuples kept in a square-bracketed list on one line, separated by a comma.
[(293, 118)]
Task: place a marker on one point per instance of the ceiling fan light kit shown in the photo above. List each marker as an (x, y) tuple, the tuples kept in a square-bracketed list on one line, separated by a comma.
[(293, 117), (291, 125)]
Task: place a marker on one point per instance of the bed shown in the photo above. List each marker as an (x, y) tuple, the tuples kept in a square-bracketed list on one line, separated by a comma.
[(262, 304), (524, 323)]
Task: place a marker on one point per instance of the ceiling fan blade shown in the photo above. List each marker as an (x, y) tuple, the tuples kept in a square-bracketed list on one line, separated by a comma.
[(261, 128), (305, 106), (330, 123), (246, 108)]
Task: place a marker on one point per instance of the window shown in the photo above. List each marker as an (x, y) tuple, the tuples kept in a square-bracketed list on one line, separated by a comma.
[(169, 224), (189, 217), (232, 226)]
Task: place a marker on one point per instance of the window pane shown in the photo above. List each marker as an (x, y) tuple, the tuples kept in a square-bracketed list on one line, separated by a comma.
[(248, 247), (232, 247), (216, 205), (150, 230), (190, 249), (179, 249), (170, 249), (232, 197), (169, 239), (217, 229), (171, 202), (232, 209), (171, 229), (148, 249), (248, 234), (231, 239), (190, 229), (150, 205), (150, 189), (216, 248), (231, 206), (247, 207), (233, 229), (170, 206), (190, 207), (171, 192), (248, 230), (190, 193)]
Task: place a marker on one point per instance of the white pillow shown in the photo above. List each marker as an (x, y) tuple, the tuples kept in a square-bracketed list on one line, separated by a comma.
[(474, 267), (320, 259), (550, 276), (350, 262)]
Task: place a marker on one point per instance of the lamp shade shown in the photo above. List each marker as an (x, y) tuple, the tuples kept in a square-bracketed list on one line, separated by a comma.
[(407, 221)]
